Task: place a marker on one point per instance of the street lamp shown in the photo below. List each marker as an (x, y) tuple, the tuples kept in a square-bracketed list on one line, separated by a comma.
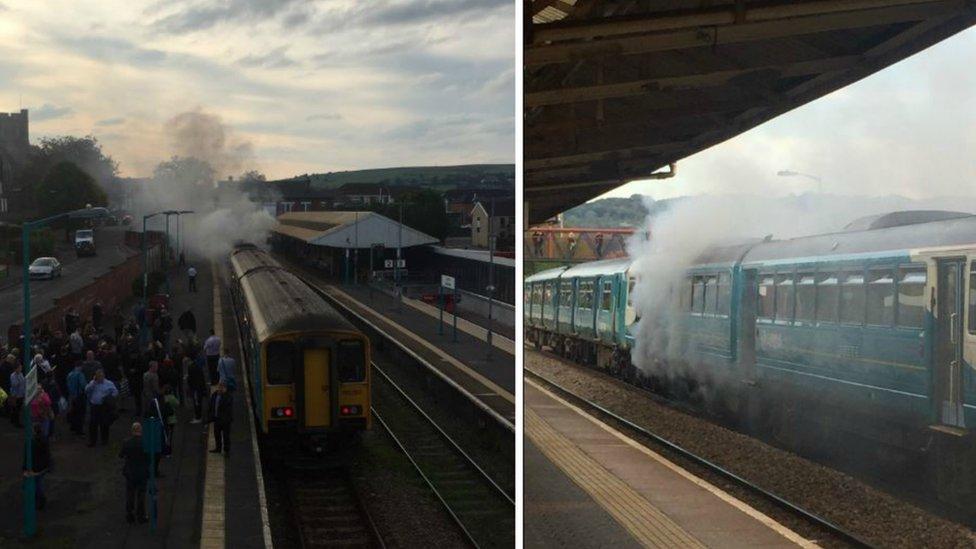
[(791, 173), (30, 513)]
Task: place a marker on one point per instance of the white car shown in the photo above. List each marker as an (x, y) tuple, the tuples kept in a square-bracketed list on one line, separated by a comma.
[(45, 267)]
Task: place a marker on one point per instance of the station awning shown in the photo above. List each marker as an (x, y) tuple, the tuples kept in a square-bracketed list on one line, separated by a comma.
[(349, 230)]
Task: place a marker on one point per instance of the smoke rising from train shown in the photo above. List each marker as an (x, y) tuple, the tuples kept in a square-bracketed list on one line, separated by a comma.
[(203, 149), (692, 226)]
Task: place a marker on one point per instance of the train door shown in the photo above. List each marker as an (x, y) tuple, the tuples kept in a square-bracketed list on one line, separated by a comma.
[(948, 342), (748, 300), (317, 387)]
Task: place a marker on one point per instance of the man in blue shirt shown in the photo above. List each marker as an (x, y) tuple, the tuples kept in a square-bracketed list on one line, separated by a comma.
[(225, 371), (76, 399), (101, 393), (18, 388)]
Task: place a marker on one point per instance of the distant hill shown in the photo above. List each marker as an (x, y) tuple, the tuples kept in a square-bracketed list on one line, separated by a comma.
[(437, 177), (617, 212)]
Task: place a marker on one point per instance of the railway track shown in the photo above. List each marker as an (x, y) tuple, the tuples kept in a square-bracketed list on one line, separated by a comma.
[(483, 511), (328, 511), (676, 449)]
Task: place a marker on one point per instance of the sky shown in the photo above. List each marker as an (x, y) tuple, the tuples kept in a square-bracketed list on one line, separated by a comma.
[(909, 130), (301, 86)]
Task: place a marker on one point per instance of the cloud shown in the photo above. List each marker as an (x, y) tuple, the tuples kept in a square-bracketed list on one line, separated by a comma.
[(379, 13), (48, 111), (274, 59), (113, 50), (3, 7), (115, 121), (323, 116), (205, 15)]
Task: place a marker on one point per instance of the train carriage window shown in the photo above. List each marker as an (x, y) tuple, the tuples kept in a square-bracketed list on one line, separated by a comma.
[(631, 282), (852, 298), (806, 296), (880, 300), (565, 293), (697, 294), (547, 293), (724, 292), (536, 294), (352, 361), (281, 359), (784, 297), (828, 295), (911, 297), (527, 295), (586, 295), (711, 293), (607, 298), (766, 294), (686, 289)]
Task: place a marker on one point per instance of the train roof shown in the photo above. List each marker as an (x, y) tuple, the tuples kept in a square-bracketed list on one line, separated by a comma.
[(547, 274), (901, 239), (599, 268), (249, 257), (279, 301)]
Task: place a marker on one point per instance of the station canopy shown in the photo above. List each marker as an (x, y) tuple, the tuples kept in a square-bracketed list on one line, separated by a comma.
[(616, 90), (348, 230)]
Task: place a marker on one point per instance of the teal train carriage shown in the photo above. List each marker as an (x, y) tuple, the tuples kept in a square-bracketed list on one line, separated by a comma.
[(870, 331)]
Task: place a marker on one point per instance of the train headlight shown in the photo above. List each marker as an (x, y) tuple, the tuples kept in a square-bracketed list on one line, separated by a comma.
[(350, 410)]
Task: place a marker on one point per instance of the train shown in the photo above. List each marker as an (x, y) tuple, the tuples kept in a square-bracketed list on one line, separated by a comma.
[(307, 366), (869, 331)]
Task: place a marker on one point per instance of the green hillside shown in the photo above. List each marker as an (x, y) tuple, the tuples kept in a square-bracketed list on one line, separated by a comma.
[(437, 177)]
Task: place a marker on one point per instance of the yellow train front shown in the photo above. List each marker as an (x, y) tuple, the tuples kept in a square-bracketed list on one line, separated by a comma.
[(308, 367)]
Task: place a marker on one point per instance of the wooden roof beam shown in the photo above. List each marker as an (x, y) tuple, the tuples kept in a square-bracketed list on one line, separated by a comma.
[(683, 82), (540, 52), (539, 5)]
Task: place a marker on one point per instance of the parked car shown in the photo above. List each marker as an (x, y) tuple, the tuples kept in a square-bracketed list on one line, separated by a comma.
[(45, 267), (85, 242)]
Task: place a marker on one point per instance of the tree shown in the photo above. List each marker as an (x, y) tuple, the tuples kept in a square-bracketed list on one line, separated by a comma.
[(185, 170), (84, 152), (67, 187), (252, 175), (422, 210)]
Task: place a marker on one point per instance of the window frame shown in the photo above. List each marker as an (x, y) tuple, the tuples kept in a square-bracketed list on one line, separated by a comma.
[(805, 279), (828, 276), (847, 274), (789, 280), (267, 362), (869, 279), (763, 280), (902, 272)]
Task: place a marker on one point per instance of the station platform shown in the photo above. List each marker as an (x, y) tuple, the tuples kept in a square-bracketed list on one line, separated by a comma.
[(86, 491), (78, 272), (587, 485), (465, 362)]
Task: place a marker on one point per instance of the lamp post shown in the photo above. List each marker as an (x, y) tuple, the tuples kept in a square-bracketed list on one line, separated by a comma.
[(30, 512), (791, 173), (168, 213), (492, 241)]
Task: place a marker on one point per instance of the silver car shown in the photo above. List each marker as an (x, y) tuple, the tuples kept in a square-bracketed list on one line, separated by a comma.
[(45, 267)]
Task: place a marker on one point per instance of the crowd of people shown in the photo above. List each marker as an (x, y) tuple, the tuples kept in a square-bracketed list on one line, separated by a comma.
[(91, 371)]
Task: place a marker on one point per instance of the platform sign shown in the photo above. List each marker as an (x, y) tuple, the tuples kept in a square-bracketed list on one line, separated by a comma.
[(401, 263), (31, 390), (387, 263), (447, 282)]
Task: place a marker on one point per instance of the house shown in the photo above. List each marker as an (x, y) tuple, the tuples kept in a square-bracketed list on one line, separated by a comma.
[(14, 154), (278, 197), (499, 215), (458, 203), (365, 193)]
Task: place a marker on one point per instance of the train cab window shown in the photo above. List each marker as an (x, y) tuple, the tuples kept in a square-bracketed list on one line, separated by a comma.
[(828, 296), (766, 295), (880, 298), (697, 294), (711, 295), (282, 356), (852, 298), (724, 292), (631, 282), (911, 297), (806, 297), (607, 298), (784, 297), (352, 361)]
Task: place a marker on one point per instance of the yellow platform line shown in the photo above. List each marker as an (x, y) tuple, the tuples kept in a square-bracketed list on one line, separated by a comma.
[(335, 292), (466, 326), (759, 516), (647, 524), (212, 519)]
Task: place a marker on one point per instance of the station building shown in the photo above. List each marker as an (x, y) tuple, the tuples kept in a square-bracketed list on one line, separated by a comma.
[(368, 239)]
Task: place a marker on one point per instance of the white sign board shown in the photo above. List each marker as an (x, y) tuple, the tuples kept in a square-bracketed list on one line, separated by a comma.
[(388, 263), (447, 282), (401, 263), (31, 390)]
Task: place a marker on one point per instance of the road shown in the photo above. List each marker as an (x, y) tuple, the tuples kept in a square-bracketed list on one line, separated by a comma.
[(77, 274)]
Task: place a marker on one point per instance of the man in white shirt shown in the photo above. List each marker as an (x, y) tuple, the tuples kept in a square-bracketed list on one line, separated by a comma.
[(191, 275), (211, 348)]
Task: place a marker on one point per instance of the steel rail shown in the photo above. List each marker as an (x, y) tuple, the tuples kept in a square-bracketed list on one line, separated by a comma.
[(808, 516)]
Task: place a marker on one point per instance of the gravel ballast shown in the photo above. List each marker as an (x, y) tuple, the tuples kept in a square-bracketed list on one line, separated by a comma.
[(867, 512)]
